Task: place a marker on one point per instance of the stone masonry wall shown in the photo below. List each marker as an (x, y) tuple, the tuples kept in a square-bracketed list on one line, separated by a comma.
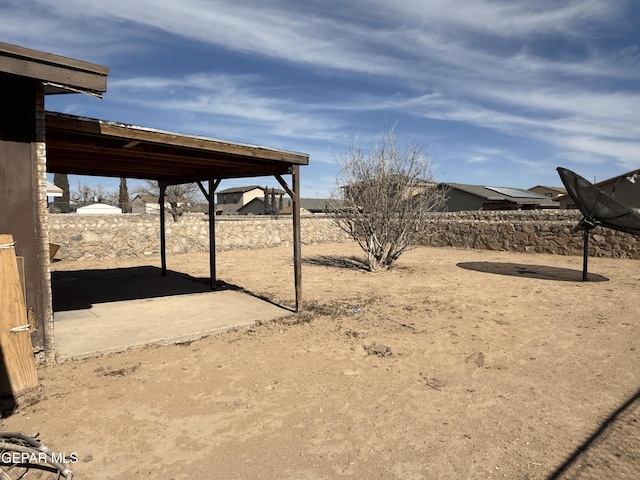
[(546, 231), (135, 235), (104, 236)]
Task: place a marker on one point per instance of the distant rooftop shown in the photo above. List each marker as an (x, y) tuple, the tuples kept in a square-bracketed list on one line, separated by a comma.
[(504, 195)]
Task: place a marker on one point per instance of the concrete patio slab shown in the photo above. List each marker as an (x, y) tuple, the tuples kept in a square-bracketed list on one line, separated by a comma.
[(94, 316)]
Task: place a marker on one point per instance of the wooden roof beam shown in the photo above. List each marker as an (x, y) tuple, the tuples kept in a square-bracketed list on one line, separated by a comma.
[(54, 71)]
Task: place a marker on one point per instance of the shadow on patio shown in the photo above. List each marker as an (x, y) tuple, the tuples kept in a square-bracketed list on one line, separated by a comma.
[(101, 311)]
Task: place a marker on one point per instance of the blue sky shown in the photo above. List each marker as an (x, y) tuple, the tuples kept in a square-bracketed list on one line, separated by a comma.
[(500, 92)]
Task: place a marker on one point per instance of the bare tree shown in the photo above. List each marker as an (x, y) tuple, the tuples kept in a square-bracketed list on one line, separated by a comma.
[(178, 198), (86, 194), (384, 198)]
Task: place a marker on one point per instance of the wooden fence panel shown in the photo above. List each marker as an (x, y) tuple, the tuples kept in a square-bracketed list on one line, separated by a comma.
[(17, 364)]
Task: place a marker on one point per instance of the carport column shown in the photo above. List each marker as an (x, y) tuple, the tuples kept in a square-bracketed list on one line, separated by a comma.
[(294, 192), (297, 240), (210, 196), (213, 184), (163, 240)]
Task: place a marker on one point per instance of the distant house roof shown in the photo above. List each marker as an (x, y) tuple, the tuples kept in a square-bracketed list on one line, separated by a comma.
[(500, 198), (149, 198), (226, 208), (98, 209), (248, 189), (240, 189), (547, 187), (53, 191), (146, 198), (288, 210), (633, 176), (314, 205)]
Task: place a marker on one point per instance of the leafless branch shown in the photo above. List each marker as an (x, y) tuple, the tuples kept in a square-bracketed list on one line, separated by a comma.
[(383, 198)]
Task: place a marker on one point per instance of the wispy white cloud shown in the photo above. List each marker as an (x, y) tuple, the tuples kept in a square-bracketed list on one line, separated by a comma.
[(537, 70), (237, 98), (624, 152), (504, 18)]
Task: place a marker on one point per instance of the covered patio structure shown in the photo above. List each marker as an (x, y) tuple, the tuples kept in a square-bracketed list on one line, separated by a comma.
[(34, 142), (85, 146)]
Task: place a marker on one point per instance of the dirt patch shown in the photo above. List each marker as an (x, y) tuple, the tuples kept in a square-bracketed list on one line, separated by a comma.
[(509, 369)]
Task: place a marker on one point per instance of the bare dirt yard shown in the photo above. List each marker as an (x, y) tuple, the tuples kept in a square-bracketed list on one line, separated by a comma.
[(455, 364)]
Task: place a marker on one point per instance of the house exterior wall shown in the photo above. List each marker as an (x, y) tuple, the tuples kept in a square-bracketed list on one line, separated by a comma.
[(567, 203), (621, 190), (547, 192), (229, 198), (625, 192), (243, 203), (138, 205), (458, 201), (250, 195), (23, 194)]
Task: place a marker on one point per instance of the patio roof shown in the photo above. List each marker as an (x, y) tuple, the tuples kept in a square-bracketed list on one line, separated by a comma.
[(88, 146), (58, 74)]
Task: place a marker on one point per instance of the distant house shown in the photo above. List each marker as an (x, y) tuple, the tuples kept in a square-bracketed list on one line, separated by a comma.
[(309, 205), (247, 200), (146, 203), (551, 192), (53, 191), (99, 209), (463, 197), (254, 207), (143, 203), (288, 210), (391, 183), (239, 195), (250, 201), (624, 188)]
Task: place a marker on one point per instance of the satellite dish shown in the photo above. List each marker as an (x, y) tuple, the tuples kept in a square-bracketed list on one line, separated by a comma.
[(598, 209)]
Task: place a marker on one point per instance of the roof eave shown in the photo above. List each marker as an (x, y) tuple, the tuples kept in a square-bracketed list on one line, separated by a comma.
[(59, 74)]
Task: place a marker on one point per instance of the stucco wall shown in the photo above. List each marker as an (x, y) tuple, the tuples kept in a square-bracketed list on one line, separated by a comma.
[(106, 236)]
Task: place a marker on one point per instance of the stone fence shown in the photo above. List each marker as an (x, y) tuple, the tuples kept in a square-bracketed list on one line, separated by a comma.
[(545, 231), (104, 236), (135, 235)]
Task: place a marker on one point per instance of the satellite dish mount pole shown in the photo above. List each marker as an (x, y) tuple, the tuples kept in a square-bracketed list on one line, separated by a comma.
[(585, 259), (586, 226)]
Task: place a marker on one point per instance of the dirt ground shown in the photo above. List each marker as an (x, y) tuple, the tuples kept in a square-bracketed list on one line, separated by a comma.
[(455, 364)]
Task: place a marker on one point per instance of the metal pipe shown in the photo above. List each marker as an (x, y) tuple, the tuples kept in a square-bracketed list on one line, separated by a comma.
[(585, 258)]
